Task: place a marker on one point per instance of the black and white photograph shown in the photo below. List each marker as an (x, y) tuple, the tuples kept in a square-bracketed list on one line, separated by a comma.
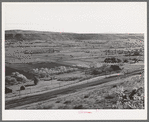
[(80, 59)]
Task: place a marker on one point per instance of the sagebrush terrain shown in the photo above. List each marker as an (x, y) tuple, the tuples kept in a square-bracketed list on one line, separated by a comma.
[(61, 60)]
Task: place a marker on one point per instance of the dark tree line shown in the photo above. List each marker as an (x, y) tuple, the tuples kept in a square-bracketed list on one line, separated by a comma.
[(112, 60)]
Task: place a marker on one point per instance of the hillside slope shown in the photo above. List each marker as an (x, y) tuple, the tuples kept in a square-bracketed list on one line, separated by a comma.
[(20, 35)]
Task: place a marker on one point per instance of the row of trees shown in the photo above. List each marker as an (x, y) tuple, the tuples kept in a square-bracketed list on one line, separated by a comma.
[(38, 51), (129, 53), (116, 60), (45, 72)]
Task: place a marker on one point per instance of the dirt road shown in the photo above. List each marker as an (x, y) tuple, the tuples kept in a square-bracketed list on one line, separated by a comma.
[(52, 94)]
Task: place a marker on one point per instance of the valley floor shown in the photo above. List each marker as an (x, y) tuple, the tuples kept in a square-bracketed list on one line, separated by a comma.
[(40, 98)]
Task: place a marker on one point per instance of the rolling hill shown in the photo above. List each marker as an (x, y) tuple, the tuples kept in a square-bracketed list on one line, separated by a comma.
[(19, 35)]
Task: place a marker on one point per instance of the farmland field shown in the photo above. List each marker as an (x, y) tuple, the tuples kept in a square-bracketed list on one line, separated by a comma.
[(63, 60)]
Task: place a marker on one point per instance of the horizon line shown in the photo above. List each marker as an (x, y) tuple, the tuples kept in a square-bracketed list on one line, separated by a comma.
[(77, 32)]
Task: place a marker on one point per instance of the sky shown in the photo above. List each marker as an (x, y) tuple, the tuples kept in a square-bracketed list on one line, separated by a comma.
[(92, 17)]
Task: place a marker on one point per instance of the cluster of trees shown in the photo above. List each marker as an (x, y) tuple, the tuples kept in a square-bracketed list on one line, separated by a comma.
[(116, 60), (104, 69), (133, 53), (45, 72), (15, 78), (37, 51), (112, 60), (127, 53), (19, 55)]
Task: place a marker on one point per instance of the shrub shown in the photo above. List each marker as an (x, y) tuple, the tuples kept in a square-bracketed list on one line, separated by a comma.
[(22, 88), (42, 75), (125, 60), (86, 96), (136, 53), (115, 67), (7, 79), (108, 69), (135, 59), (48, 106), (78, 107), (10, 80), (36, 80), (58, 101), (13, 81), (114, 86), (17, 78), (7, 90), (13, 74), (135, 100), (67, 102), (21, 78), (119, 60), (96, 72)]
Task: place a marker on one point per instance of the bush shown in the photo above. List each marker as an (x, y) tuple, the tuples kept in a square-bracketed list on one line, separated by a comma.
[(136, 53), (43, 75), (115, 67), (134, 100), (36, 80), (78, 107), (125, 60), (21, 78), (10, 80), (96, 72), (135, 59), (67, 102), (107, 69), (7, 90), (119, 60), (15, 78), (86, 96), (22, 88), (7, 79), (13, 81)]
